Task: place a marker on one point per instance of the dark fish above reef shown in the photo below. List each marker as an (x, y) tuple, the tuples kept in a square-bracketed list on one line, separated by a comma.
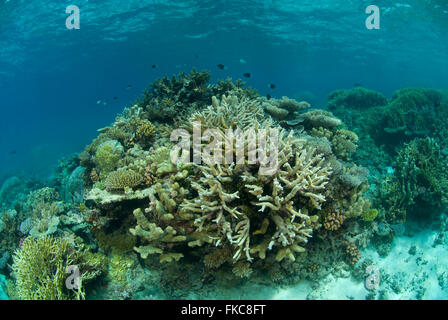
[(154, 66), (272, 86), (221, 66), (247, 75)]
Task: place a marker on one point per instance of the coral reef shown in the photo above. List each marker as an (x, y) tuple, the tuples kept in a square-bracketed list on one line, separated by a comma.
[(355, 98), (320, 118), (107, 156), (123, 180), (419, 181), (40, 269), (412, 113), (290, 208), (284, 108)]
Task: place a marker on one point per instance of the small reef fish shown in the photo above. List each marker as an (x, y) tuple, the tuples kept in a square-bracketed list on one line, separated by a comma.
[(129, 86), (243, 61), (12, 152), (268, 96), (247, 75), (115, 98), (154, 66), (272, 86), (221, 66)]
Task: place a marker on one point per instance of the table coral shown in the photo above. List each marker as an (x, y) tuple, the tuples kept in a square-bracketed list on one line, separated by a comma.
[(123, 179)]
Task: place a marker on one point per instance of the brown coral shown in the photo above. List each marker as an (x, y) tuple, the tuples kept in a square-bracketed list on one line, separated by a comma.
[(94, 177), (333, 221), (123, 179), (145, 129), (353, 252), (242, 270)]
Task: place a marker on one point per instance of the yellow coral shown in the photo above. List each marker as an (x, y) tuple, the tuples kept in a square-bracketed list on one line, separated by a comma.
[(119, 267), (333, 221), (344, 143), (145, 129), (40, 269)]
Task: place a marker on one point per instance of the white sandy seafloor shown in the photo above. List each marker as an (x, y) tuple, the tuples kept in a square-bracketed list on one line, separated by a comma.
[(405, 274)]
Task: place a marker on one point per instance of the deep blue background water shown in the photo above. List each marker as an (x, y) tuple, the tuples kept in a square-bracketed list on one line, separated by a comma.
[(51, 78)]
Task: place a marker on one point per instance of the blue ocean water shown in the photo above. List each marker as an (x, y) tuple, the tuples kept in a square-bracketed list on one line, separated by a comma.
[(52, 77), (59, 86)]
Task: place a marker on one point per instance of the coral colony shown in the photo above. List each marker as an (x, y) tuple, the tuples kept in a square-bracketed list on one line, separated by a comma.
[(217, 183)]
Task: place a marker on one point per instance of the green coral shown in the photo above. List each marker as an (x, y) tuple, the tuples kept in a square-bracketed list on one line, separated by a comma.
[(420, 180), (40, 267), (117, 241), (106, 159), (355, 98), (411, 113), (370, 214), (169, 97)]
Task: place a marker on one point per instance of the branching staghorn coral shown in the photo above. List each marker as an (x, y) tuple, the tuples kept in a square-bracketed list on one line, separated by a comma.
[(232, 112), (156, 236), (233, 205), (219, 203), (234, 217)]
